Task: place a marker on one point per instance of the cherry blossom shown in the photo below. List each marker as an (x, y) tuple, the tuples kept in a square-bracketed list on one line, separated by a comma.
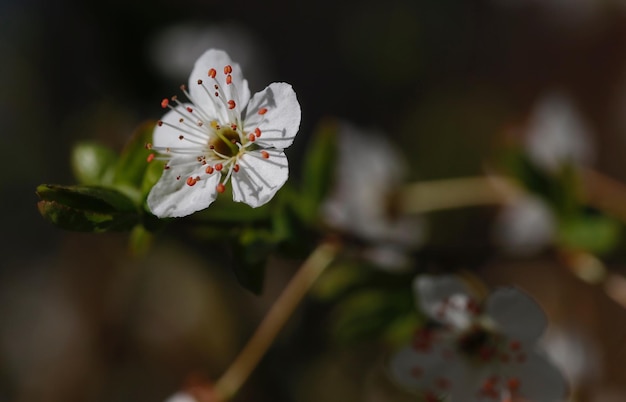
[(222, 134), (477, 351), (364, 199)]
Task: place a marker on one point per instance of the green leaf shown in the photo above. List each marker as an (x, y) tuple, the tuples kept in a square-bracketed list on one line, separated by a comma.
[(93, 164), (590, 232), (133, 162), (369, 313), (250, 257), (86, 208), (318, 169), (225, 210)]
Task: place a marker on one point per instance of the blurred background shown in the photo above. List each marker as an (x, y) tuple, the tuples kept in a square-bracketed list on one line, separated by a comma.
[(447, 80)]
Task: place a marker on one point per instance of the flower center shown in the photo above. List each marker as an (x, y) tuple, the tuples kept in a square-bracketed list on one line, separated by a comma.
[(225, 141)]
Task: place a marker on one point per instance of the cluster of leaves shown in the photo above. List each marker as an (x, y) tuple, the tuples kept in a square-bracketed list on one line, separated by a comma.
[(111, 191), (579, 225)]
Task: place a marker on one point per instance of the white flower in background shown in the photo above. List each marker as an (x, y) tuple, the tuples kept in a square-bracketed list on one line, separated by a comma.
[(525, 226), (363, 201), (223, 133), (181, 397), (554, 135), (574, 353), (557, 134), (477, 352)]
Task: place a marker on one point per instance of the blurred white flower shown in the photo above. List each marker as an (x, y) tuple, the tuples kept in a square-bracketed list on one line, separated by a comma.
[(174, 50), (525, 226), (557, 134), (222, 134), (478, 351), (181, 396), (363, 201), (574, 354), (554, 136)]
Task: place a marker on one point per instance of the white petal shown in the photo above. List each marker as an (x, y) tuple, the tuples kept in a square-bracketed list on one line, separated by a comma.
[(214, 107), (168, 134), (421, 370), (516, 314), (540, 381), (432, 292), (526, 226), (280, 124), (181, 397), (259, 178), (172, 197)]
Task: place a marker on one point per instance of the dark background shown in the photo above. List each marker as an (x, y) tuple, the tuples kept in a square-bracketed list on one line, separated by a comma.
[(80, 321)]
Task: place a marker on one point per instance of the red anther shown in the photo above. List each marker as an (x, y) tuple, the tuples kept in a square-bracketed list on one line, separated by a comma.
[(166, 167), (150, 158), (199, 82), (220, 188), (515, 345), (229, 79), (191, 181), (148, 145), (216, 93), (219, 166), (159, 123), (181, 120), (513, 384), (228, 69), (164, 103), (262, 110), (178, 177), (216, 86), (190, 110), (265, 154), (233, 126), (231, 104), (236, 167), (209, 169), (174, 98), (183, 87), (257, 132), (251, 137), (212, 72), (211, 146)]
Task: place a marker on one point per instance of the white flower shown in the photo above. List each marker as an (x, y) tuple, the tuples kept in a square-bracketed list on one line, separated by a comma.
[(478, 352), (557, 134), (368, 176), (223, 133)]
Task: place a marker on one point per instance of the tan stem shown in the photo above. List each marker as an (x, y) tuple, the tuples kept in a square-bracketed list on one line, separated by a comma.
[(438, 195), (243, 365)]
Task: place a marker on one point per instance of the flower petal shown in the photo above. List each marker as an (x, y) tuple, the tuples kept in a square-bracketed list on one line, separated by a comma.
[(433, 294), (259, 178), (173, 197), (540, 380), (281, 121), (181, 397), (517, 315), (168, 133), (203, 94), (425, 371)]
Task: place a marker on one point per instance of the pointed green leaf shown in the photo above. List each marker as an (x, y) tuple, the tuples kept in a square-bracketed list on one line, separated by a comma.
[(133, 162), (318, 169), (86, 208)]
